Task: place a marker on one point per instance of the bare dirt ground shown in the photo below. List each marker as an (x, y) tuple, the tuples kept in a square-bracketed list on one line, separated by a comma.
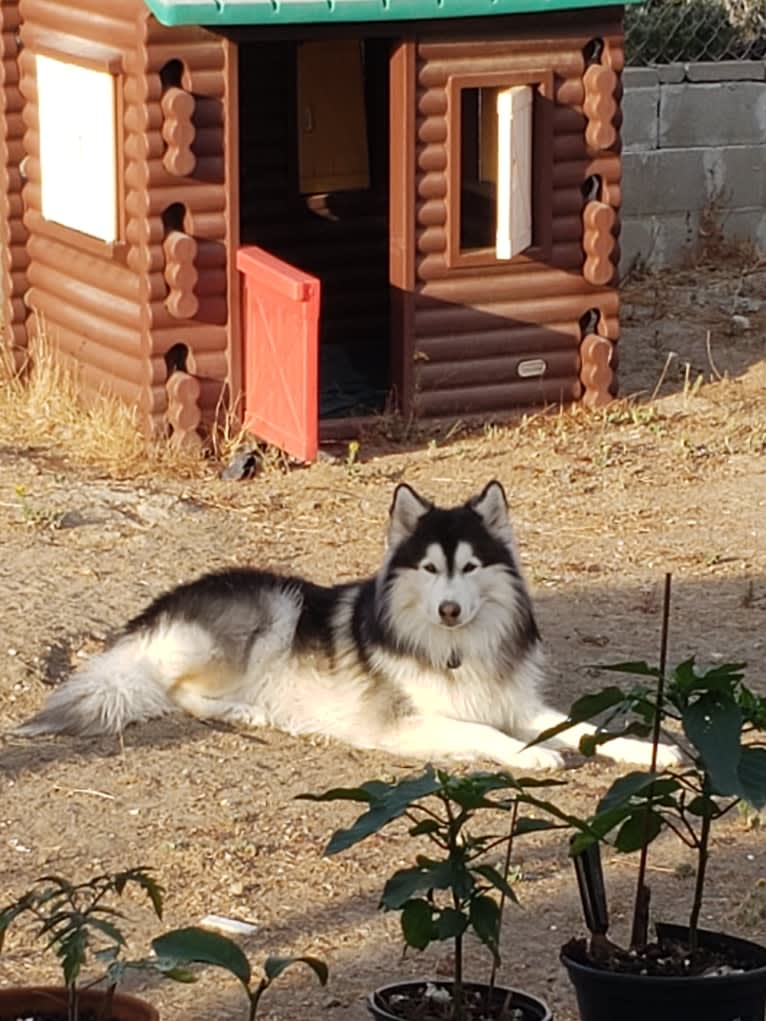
[(603, 505)]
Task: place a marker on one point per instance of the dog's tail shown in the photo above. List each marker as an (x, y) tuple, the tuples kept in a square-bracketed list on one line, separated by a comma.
[(110, 691)]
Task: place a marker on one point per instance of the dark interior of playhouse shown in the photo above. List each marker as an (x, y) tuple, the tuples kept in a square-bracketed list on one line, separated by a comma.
[(314, 151), (314, 191)]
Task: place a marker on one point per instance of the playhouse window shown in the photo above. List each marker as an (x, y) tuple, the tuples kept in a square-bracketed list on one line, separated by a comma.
[(77, 112), (332, 122), (495, 193)]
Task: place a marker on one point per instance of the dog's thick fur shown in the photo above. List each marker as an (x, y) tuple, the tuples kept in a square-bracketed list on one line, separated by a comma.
[(436, 656)]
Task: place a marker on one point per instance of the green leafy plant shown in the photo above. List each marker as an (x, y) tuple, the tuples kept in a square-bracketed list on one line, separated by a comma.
[(456, 889), (78, 921), (179, 948), (725, 765)]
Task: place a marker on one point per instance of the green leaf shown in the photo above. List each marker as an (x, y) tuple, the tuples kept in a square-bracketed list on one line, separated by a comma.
[(470, 791), (617, 805), (417, 923), (684, 676), (550, 809), (425, 827), (11, 912), (450, 923), (713, 724), (143, 877), (639, 668), (751, 772), (71, 952), (625, 788), (753, 707), (401, 886), (388, 803), (686, 681), (664, 786), (529, 824), (107, 929), (194, 945), (178, 973), (494, 878), (359, 794), (639, 830), (598, 827), (584, 709), (274, 966), (405, 883), (703, 807), (484, 915), (736, 671)]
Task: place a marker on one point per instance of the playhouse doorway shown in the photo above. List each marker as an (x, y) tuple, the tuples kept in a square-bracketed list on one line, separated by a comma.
[(314, 193)]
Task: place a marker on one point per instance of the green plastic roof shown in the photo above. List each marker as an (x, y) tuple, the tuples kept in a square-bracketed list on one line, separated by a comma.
[(328, 12)]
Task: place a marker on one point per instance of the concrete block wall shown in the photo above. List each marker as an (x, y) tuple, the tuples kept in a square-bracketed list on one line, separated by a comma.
[(694, 140)]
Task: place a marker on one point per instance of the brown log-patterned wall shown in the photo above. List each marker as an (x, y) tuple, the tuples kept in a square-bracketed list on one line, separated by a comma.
[(127, 316), (177, 201), (474, 326), (13, 235)]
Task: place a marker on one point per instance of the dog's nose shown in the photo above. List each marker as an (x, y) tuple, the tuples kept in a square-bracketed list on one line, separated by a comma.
[(449, 611)]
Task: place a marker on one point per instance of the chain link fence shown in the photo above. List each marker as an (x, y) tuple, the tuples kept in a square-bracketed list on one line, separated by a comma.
[(673, 31)]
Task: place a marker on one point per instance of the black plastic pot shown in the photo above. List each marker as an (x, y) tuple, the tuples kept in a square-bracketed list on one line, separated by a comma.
[(608, 996), (531, 1008)]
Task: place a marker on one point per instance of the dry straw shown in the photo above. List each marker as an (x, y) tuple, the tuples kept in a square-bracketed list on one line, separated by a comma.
[(42, 407)]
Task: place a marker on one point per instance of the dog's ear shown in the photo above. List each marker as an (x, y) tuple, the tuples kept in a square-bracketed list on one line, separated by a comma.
[(492, 505), (407, 508)]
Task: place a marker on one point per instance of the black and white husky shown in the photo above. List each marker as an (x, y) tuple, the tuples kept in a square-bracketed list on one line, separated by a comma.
[(436, 656)]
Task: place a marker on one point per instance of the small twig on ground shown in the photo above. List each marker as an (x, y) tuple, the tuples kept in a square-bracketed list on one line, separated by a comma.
[(663, 374), (713, 366)]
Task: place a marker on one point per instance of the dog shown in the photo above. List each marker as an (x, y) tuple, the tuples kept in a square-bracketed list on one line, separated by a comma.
[(436, 656)]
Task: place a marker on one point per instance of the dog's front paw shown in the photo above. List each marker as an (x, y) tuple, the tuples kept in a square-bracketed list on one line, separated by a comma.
[(669, 755), (628, 749), (537, 757)]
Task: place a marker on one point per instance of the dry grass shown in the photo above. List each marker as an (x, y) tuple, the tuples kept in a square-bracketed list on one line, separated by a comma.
[(41, 407)]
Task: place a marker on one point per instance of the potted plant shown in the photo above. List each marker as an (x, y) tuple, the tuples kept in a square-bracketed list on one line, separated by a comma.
[(453, 890), (177, 949), (78, 921), (686, 972)]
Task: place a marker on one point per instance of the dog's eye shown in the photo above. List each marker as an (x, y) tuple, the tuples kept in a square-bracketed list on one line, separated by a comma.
[(431, 568), (470, 566)]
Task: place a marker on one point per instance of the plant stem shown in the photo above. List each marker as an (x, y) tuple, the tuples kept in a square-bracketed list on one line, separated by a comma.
[(703, 853), (72, 1003), (254, 998), (640, 928), (457, 984), (453, 829), (506, 870)]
